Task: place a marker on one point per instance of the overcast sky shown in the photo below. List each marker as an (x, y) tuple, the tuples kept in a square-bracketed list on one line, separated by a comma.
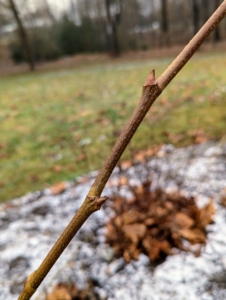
[(57, 6)]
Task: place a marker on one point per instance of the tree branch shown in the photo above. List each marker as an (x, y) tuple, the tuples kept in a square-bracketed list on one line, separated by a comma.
[(4, 5), (23, 34), (151, 90)]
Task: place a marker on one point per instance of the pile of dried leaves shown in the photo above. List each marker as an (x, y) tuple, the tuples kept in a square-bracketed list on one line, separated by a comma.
[(67, 291), (155, 223)]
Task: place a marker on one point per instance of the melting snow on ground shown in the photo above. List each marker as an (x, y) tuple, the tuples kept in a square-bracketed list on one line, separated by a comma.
[(30, 225)]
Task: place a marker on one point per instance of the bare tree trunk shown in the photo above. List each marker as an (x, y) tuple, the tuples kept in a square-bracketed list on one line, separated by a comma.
[(164, 23), (116, 47), (195, 15), (164, 16), (155, 36), (113, 22), (23, 35), (216, 35), (205, 10)]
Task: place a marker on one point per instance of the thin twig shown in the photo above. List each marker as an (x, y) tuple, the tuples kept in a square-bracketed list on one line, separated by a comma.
[(151, 90)]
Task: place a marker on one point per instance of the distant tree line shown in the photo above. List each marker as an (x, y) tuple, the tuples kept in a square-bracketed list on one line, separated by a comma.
[(113, 26)]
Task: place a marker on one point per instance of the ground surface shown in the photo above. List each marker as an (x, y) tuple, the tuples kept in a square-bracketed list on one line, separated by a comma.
[(54, 121), (30, 225)]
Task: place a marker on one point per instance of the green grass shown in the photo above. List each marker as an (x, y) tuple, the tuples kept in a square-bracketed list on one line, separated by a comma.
[(46, 116)]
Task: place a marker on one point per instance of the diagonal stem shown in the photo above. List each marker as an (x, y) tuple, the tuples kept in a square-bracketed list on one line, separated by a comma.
[(151, 90)]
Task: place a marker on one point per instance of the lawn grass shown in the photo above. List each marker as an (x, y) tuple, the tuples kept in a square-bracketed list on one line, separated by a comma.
[(57, 125)]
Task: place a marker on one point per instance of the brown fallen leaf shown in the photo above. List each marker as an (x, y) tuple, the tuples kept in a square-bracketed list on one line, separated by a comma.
[(155, 248), (69, 291), (159, 212), (125, 164), (118, 221), (175, 138), (72, 128), (132, 216), (126, 256), (4, 155), (83, 179), (59, 292), (3, 145), (70, 168), (132, 252), (164, 101), (32, 177), (123, 181), (84, 113), (169, 206), (110, 229), (206, 214), (149, 221), (2, 184), (58, 188), (198, 136), (57, 168), (141, 157), (183, 221), (105, 122), (223, 201), (139, 191), (194, 236), (151, 151), (81, 156), (134, 232)]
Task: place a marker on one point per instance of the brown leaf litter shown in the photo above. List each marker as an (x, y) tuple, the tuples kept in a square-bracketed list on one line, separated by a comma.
[(156, 223), (69, 291)]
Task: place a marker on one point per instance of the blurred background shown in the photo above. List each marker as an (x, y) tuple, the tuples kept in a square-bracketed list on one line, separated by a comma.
[(36, 31), (91, 58)]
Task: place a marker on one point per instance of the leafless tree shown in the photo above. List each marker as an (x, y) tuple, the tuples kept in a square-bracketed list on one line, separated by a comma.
[(205, 10), (195, 15), (114, 14), (217, 34), (164, 16), (10, 5), (164, 23)]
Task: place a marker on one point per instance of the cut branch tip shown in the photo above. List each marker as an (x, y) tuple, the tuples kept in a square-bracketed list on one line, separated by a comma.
[(151, 78)]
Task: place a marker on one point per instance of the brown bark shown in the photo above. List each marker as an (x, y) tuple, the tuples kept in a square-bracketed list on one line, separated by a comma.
[(151, 90), (23, 34)]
